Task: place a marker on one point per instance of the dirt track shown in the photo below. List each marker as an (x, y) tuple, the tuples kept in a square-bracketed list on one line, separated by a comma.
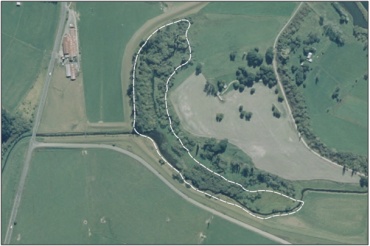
[(142, 33)]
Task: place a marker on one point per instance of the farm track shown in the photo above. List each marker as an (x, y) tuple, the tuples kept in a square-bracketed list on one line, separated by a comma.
[(293, 211), (274, 64)]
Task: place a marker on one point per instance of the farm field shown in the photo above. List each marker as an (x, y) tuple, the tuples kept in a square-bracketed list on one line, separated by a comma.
[(272, 143), (9, 181), (102, 50), (285, 227), (343, 217), (339, 124), (222, 27), (115, 195), (66, 96), (27, 34)]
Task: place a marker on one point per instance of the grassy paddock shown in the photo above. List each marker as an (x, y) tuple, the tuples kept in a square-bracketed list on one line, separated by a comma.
[(115, 195), (28, 32), (251, 9), (221, 28), (343, 217), (284, 227), (102, 49), (340, 125)]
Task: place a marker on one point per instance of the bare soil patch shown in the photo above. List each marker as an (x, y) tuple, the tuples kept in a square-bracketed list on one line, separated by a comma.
[(65, 105), (272, 143)]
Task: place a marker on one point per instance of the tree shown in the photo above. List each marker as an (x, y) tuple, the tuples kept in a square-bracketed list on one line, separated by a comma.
[(248, 116), (209, 89), (275, 111), (321, 21), (254, 59), (198, 69), (242, 114), (240, 108), (269, 56), (293, 68), (253, 91), (232, 56), (221, 85), (221, 146), (280, 98), (241, 88), (363, 182), (236, 85), (299, 77), (219, 117)]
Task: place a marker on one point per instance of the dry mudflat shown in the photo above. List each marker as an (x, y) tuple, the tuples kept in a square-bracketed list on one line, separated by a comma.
[(272, 143)]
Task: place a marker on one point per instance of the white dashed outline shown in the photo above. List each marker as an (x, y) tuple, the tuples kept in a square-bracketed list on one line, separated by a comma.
[(169, 118)]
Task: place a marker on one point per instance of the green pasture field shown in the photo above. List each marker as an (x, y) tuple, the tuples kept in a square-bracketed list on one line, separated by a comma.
[(27, 34), (221, 27), (251, 9), (121, 201), (9, 181), (220, 233), (102, 50), (337, 217), (340, 125)]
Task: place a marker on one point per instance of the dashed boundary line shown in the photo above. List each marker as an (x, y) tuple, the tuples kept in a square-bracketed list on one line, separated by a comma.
[(169, 118)]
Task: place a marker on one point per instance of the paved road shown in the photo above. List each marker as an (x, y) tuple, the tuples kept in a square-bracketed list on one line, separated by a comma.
[(172, 187), (274, 64), (40, 108)]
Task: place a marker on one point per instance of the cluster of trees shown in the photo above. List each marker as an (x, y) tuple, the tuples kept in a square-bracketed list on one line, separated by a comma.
[(245, 114), (297, 101), (311, 39), (244, 77), (300, 73), (335, 95), (12, 126), (269, 56), (254, 59), (221, 84), (210, 89), (212, 148), (335, 34), (275, 111), (166, 50), (248, 176), (343, 18), (219, 117), (361, 34), (267, 75)]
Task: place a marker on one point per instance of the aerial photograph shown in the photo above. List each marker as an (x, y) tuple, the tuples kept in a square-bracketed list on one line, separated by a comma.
[(229, 123)]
